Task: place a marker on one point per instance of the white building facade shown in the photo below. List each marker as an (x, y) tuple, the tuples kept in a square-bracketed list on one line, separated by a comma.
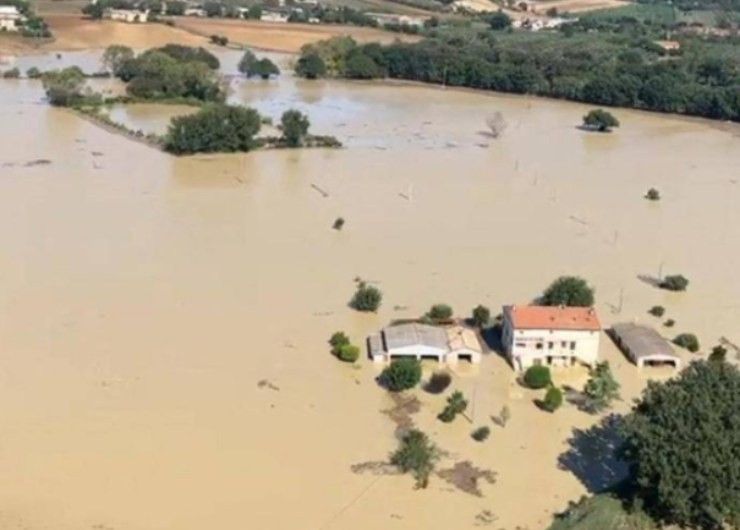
[(127, 15), (422, 341), (10, 18), (550, 336)]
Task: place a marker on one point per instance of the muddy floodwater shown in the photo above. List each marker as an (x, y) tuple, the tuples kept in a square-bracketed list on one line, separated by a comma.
[(163, 321)]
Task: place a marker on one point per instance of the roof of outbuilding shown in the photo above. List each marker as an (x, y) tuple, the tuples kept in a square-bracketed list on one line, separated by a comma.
[(405, 335), (642, 341), (553, 317)]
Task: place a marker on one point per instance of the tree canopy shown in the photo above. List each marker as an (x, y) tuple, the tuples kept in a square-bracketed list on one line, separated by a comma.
[(569, 291), (683, 444), (600, 120), (64, 87)]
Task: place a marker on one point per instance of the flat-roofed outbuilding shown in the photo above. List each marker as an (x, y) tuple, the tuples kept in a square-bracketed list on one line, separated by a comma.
[(643, 345)]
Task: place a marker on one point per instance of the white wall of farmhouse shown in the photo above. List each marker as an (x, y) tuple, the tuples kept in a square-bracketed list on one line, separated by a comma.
[(552, 347)]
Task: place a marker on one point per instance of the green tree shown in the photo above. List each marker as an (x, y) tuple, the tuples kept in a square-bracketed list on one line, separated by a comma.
[(294, 125), (682, 441), (601, 388), (360, 66), (553, 399), (115, 56), (246, 63), (657, 311), (418, 455), (366, 298), (456, 404), (440, 312), (718, 354), (337, 340), (216, 128), (175, 7), (499, 20), (348, 353), (537, 377), (65, 87), (569, 291), (254, 12), (263, 68), (674, 282), (600, 120), (33, 73), (481, 434), (688, 341), (481, 316), (400, 375), (310, 66), (13, 73)]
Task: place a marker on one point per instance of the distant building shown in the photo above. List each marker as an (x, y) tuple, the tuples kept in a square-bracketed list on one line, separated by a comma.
[(194, 12), (644, 346), (10, 18), (273, 16), (669, 45), (126, 15), (390, 19), (550, 336), (422, 341)]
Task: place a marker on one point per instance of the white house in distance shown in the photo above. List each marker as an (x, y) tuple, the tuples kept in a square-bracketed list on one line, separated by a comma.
[(274, 16), (422, 341), (126, 15), (10, 18), (391, 19), (550, 336)]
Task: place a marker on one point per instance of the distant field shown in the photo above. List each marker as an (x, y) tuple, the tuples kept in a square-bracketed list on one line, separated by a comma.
[(579, 6), (656, 13)]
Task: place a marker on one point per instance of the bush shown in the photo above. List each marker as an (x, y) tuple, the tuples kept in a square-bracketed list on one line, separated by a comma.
[(569, 291), (64, 87), (688, 341), (481, 316), (600, 120), (219, 40), (33, 73), (400, 375), (438, 382), (310, 66), (338, 223), (338, 339), (294, 125), (366, 298), (115, 57), (216, 128), (669, 323), (652, 195), (601, 389), (657, 311), (537, 377), (418, 455), (718, 354), (440, 312), (499, 20), (13, 73), (553, 399), (675, 282), (456, 404), (481, 434), (348, 353)]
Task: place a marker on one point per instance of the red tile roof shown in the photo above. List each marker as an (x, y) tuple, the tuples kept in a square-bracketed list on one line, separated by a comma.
[(544, 317)]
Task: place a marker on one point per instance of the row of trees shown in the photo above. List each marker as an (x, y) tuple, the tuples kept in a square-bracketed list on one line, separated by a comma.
[(585, 67)]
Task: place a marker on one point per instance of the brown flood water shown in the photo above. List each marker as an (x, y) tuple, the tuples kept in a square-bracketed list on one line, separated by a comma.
[(145, 297)]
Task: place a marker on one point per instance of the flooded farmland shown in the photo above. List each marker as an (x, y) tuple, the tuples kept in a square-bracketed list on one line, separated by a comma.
[(163, 321)]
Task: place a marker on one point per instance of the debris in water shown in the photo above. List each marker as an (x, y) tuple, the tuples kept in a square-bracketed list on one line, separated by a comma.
[(265, 383), (324, 193), (37, 162), (465, 476)]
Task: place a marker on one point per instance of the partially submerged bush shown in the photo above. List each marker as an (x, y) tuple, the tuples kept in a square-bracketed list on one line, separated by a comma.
[(438, 382), (600, 120), (601, 389), (348, 353), (652, 195), (440, 312), (688, 341), (669, 323), (13, 73), (537, 377), (33, 73), (366, 298), (294, 125), (553, 399), (456, 404), (64, 87), (400, 375), (481, 434), (657, 311), (418, 455), (718, 354), (674, 282), (338, 223), (569, 291)]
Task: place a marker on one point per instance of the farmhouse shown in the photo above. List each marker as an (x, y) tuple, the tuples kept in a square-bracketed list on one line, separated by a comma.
[(422, 341), (10, 18), (390, 19), (273, 16), (551, 336), (643, 345), (127, 15)]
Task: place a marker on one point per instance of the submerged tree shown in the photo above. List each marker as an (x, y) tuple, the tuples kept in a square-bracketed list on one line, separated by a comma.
[(310, 66), (294, 125), (115, 56), (418, 455), (64, 87), (600, 120), (456, 404), (400, 375), (601, 389), (366, 298), (569, 291)]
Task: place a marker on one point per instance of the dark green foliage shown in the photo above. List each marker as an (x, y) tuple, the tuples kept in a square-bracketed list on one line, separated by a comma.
[(537, 377), (310, 66), (601, 512), (456, 404), (213, 9), (600, 120), (219, 40), (400, 375), (652, 195), (688, 341), (481, 316), (64, 87), (366, 298), (440, 312), (33, 73), (251, 66), (338, 223), (418, 455), (553, 399), (247, 62), (13, 73), (186, 54), (569, 291), (675, 282), (348, 353), (481, 434), (115, 56), (254, 12), (601, 388), (175, 7), (294, 125), (718, 354), (361, 66), (216, 128), (657, 311), (499, 20), (683, 443), (338, 339), (669, 323), (438, 382)]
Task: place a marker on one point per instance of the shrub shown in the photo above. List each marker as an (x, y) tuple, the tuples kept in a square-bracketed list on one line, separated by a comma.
[(13, 73), (115, 56), (537, 377), (657, 311), (688, 341), (33, 73), (310, 66), (366, 298), (553, 399), (718, 354), (481, 434), (400, 375), (337, 340), (499, 20), (438, 382), (214, 128), (418, 455), (652, 195), (456, 404), (669, 323), (338, 223), (440, 312), (675, 282), (601, 389), (294, 125), (64, 87), (569, 291), (348, 353), (481, 316), (600, 120)]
